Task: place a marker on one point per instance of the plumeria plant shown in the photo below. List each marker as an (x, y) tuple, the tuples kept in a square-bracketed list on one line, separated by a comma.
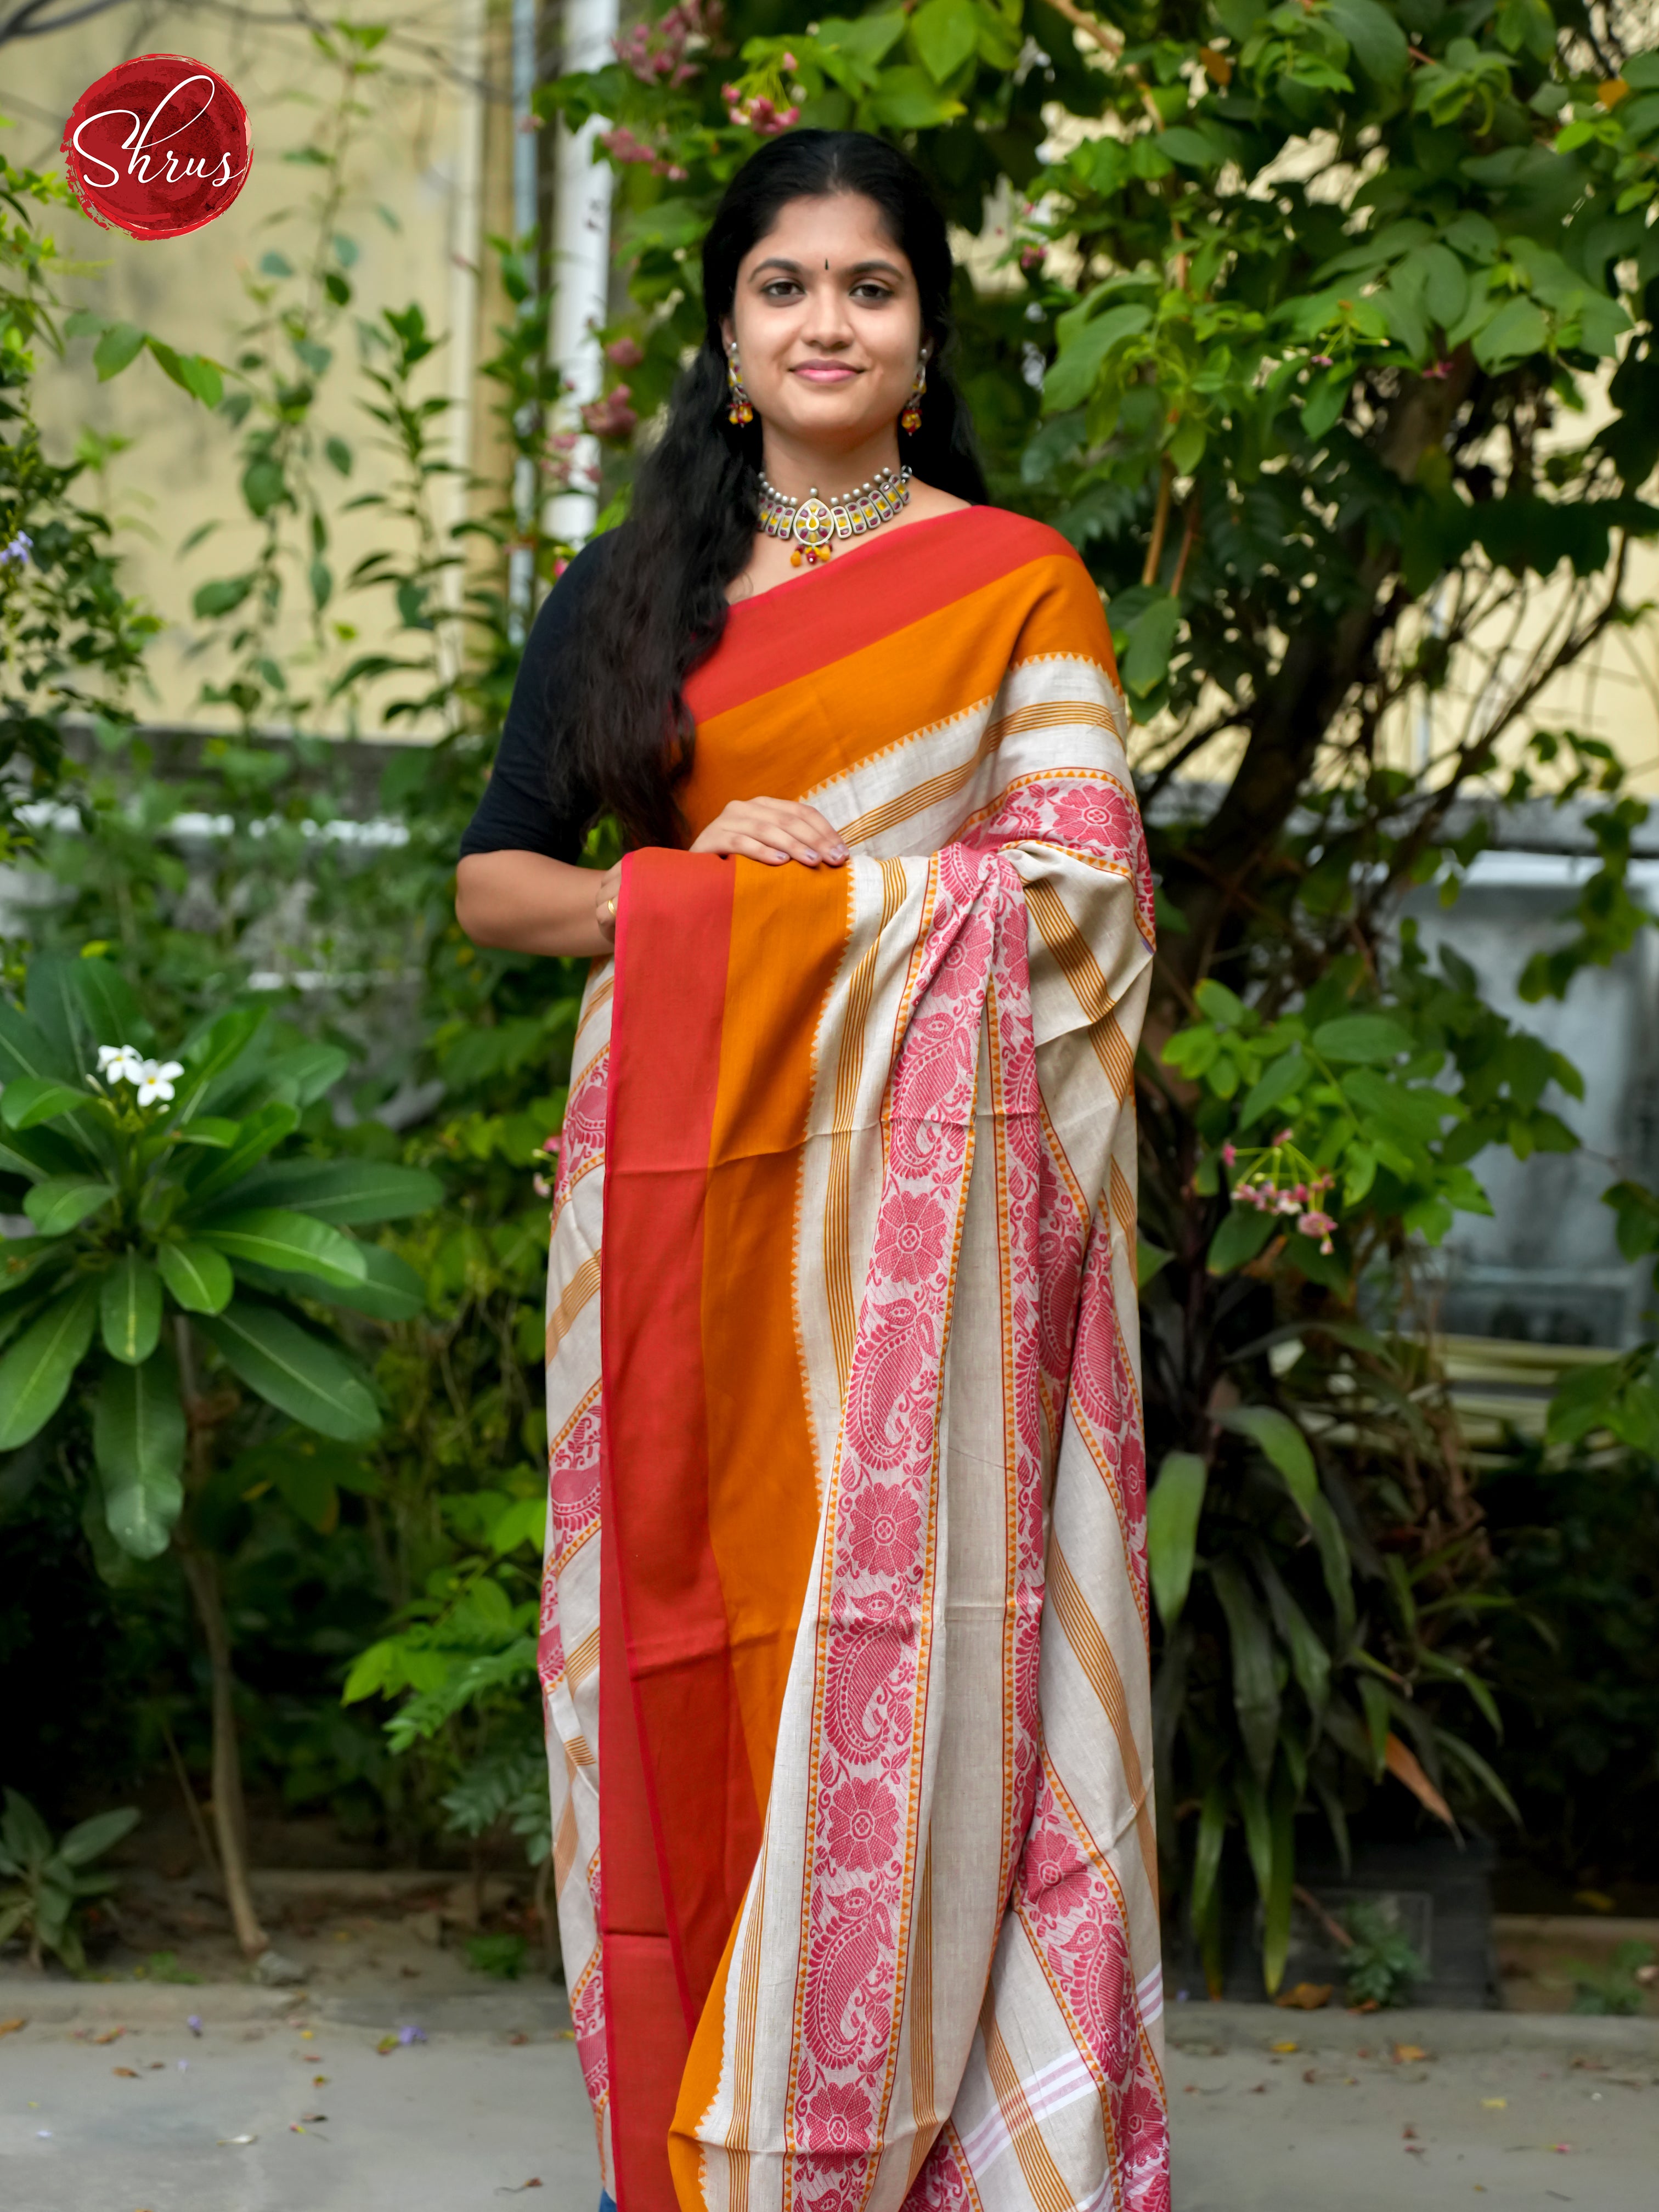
[(178, 1276)]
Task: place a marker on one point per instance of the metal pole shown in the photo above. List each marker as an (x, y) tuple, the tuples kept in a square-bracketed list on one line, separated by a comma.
[(581, 260), (521, 567)]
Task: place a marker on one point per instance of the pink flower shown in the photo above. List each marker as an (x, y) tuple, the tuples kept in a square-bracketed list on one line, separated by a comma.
[(1321, 360), (884, 1530), (790, 63), (910, 1237), (1320, 1225), (835, 2118), (541, 1186), (862, 1822), (611, 416), (1032, 257), (560, 566), (551, 1144), (1230, 1152), (626, 352)]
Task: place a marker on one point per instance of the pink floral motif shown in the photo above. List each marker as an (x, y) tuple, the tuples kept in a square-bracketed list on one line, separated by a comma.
[(939, 2186), (910, 1238), (829, 2120), (883, 1527), (1089, 815), (572, 1515), (1073, 1916), (582, 1138), (861, 1822)]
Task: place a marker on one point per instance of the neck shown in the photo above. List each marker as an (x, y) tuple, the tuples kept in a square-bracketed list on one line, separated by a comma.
[(796, 466)]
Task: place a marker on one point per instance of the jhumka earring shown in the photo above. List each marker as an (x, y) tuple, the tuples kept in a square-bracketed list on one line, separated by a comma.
[(910, 419), (742, 408)]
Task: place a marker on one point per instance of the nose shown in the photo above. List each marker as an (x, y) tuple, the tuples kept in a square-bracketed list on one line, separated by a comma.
[(828, 326)]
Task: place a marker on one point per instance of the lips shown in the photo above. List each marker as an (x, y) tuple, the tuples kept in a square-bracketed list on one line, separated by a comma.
[(825, 372)]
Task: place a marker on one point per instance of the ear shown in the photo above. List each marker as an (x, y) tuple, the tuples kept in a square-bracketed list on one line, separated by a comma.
[(728, 332)]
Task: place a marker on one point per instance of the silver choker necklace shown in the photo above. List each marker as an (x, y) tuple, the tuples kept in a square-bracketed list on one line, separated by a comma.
[(814, 522)]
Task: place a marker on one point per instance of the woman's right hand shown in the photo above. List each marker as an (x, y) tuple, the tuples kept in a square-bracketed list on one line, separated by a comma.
[(773, 830)]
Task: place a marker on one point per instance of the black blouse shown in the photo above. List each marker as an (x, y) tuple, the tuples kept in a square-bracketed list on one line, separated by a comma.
[(516, 813)]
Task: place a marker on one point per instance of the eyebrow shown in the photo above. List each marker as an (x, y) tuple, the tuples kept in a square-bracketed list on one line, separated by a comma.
[(795, 269)]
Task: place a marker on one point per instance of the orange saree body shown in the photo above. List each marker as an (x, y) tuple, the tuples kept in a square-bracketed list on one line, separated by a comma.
[(844, 1622)]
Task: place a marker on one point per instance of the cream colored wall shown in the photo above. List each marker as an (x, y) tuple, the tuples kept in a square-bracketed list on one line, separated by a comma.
[(422, 152)]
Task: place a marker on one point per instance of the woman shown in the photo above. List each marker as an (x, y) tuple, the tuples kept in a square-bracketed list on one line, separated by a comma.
[(844, 1624)]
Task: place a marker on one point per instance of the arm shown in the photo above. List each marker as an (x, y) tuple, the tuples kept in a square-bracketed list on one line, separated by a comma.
[(527, 902)]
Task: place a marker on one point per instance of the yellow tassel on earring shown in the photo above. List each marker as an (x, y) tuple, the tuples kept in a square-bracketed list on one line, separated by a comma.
[(741, 409)]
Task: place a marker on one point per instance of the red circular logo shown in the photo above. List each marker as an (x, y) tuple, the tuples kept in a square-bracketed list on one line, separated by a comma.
[(158, 147)]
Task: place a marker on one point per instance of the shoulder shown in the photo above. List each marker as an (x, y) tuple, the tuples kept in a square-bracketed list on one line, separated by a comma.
[(1021, 538), (1064, 617)]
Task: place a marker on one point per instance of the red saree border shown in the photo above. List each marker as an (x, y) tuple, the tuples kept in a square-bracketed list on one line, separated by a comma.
[(669, 1729), (878, 587)]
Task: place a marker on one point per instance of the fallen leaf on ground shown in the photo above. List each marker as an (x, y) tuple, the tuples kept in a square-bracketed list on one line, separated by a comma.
[(1409, 2054), (565, 2035), (11, 2026), (1310, 2073), (320, 2080), (314, 2120), (1284, 2046), (534, 2182), (128, 2072), (1306, 1996), (517, 2036), (1409, 2132), (1494, 2104), (109, 2035), (387, 2043), (1591, 2065)]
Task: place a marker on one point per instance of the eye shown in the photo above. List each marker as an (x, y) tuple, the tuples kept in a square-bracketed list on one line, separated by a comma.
[(779, 287), (872, 291)]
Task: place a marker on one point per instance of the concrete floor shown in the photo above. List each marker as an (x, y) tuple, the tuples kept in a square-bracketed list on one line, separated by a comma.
[(1525, 2111)]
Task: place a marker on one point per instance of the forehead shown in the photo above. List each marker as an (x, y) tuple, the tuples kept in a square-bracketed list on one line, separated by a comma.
[(839, 227)]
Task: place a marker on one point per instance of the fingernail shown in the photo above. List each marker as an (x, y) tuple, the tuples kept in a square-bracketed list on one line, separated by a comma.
[(840, 853), (811, 858)]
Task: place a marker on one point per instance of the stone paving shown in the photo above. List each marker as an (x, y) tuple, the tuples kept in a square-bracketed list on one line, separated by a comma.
[(110, 2101)]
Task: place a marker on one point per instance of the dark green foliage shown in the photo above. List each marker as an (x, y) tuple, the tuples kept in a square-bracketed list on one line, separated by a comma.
[(1617, 1988), (45, 1886), (1381, 1966)]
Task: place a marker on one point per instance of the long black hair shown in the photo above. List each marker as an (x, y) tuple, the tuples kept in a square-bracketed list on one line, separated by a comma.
[(621, 732)]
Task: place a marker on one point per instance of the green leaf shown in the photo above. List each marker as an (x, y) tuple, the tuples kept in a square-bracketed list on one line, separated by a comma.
[(1371, 1038), (1277, 1079), (1173, 1508), (1255, 1689), (29, 1100), (198, 1277), (1151, 1260), (945, 33), (63, 1203), (313, 1070), (1278, 1438), (131, 1308), (36, 1370), (25, 1050), (906, 98), (118, 347), (261, 1133), (389, 1291), (222, 596), (138, 1440), (92, 1838), (192, 372), (1152, 640), (59, 1012), (348, 1193), (293, 1243), (1206, 1851), (1281, 1881), (1243, 1234), (1375, 38), (1085, 344), (1515, 333), (302, 1374), (1309, 1660)]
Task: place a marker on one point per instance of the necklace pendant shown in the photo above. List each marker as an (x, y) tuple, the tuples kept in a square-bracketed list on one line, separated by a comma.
[(815, 522)]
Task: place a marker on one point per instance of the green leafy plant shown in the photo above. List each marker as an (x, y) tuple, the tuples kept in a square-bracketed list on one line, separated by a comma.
[(1380, 1964), (502, 1956), (45, 1886), (1619, 1987), (175, 1257)]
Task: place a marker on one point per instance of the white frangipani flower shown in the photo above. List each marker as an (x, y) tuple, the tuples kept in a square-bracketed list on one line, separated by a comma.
[(120, 1063), (158, 1079)]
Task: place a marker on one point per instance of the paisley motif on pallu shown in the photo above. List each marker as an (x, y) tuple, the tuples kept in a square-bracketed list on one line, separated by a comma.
[(843, 1638)]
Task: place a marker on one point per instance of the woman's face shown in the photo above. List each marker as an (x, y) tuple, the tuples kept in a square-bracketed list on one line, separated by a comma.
[(828, 322)]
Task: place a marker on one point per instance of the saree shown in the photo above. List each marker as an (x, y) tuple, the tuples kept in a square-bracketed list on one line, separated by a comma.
[(843, 1638)]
